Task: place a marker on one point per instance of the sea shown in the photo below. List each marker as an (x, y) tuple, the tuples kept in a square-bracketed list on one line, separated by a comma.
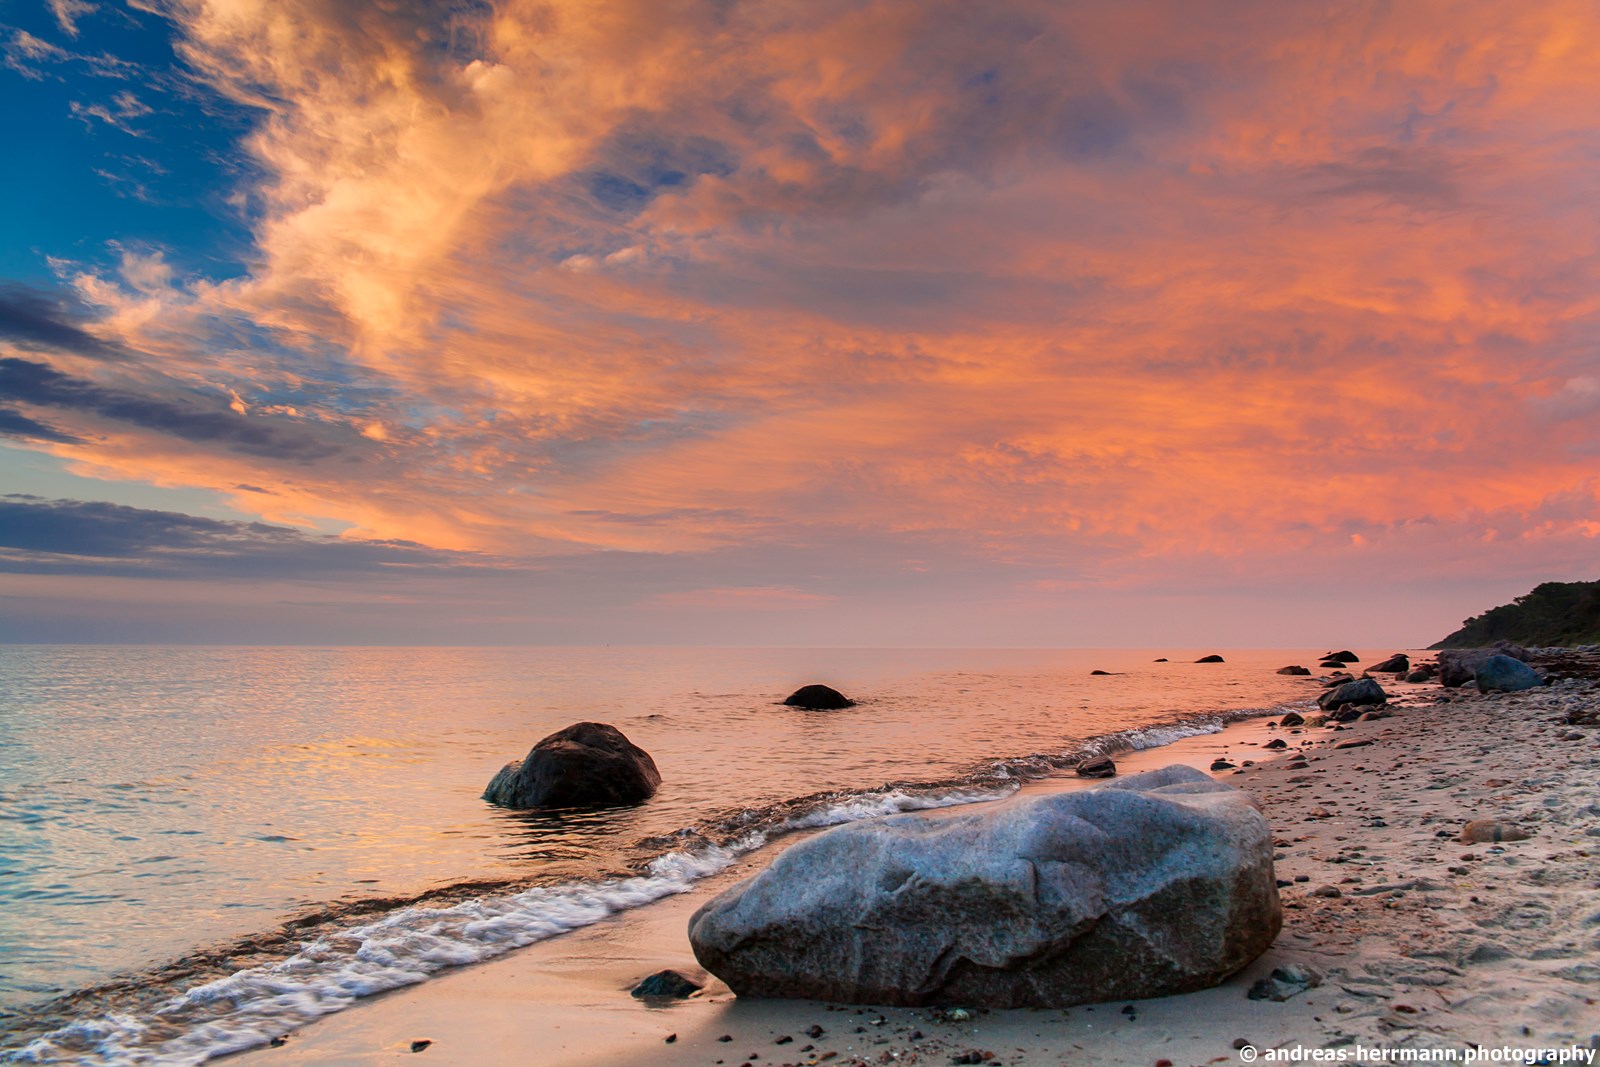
[(202, 848)]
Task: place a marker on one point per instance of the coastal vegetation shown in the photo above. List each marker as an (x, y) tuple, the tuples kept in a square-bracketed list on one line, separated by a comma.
[(1552, 614)]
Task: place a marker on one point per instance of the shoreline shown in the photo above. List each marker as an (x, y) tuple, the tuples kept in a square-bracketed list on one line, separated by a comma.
[(1420, 939), (130, 1011)]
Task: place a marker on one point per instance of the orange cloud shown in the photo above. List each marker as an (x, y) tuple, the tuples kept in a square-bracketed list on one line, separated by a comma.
[(1132, 284)]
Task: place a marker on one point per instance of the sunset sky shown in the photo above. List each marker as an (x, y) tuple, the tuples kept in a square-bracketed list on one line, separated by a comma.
[(857, 322)]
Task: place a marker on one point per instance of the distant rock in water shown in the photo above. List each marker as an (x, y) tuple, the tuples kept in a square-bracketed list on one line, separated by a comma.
[(1293, 668), (1506, 674), (1332, 664), (1157, 884), (1551, 614), (589, 764), (1163, 659), (1100, 767), (1399, 663), (818, 698), (1345, 656), (1211, 659), (1101, 673), (1362, 691)]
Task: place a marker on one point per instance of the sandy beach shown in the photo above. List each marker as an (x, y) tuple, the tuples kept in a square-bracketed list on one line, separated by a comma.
[(1419, 940)]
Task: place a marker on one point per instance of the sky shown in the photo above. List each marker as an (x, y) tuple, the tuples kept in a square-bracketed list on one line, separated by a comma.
[(814, 322)]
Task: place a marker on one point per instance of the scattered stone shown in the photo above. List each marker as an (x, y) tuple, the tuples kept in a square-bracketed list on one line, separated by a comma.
[(725, 1038), (589, 764), (1213, 658), (1276, 742), (972, 1055), (1294, 718), (814, 1031), (1102, 674), (784, 1040), (1479, 831), (667, 984), (1170, 867), (1294, 668), (278, 1042), (818, 698), (1399, 663), (669, 1039), (1332, 892), (1506, 675), (1099, 767), (1360, 691), (1285, 982), (1369, 716), (1458, 666), (1421, 674), (421, 1043), (1359, 743), (1221, 765), (1240, 1042)]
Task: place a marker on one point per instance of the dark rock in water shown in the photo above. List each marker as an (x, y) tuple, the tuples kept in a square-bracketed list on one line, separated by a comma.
[(1157, 884), (1101, 767), (1293, 669), (421, 1043), (1457, 666), (1506, 674), (1294, 718), (1344, 656), (1421, 674), (1163, 659), (1332, 664), (1336, 680), (1103, 673), (818, 698), (1213, 658), (1399, 663), (1360, 691), (1221, 765), (1345, 713), (1276, 742), (667, 984), (589, 764)]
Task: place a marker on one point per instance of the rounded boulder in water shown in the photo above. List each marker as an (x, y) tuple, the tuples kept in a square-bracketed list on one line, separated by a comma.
[(1155, 884), (587, 765), (818, 698)]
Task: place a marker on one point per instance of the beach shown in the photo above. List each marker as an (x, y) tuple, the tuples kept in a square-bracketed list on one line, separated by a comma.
[(1415, 939)]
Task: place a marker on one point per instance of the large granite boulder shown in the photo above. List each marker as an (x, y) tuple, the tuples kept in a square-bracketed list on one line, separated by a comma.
[(1458, 666), (1145, 886), (1399, 663), (589, 764), (1360, 691), (1506, 674), (818, 698)]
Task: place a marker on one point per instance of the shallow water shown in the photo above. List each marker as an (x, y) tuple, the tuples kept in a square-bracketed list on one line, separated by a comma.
[(156, 799)]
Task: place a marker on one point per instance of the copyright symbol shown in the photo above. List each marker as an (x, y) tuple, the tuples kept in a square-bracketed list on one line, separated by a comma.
[(1248, 1053)]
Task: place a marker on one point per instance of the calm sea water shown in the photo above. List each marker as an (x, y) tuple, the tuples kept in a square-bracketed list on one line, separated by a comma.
[(155, 800)]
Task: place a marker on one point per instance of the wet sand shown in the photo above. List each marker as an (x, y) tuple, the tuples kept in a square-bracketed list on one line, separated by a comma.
[(1420, 940)]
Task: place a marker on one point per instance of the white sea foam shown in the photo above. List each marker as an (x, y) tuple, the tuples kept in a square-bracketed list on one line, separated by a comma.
[(409, 945)]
